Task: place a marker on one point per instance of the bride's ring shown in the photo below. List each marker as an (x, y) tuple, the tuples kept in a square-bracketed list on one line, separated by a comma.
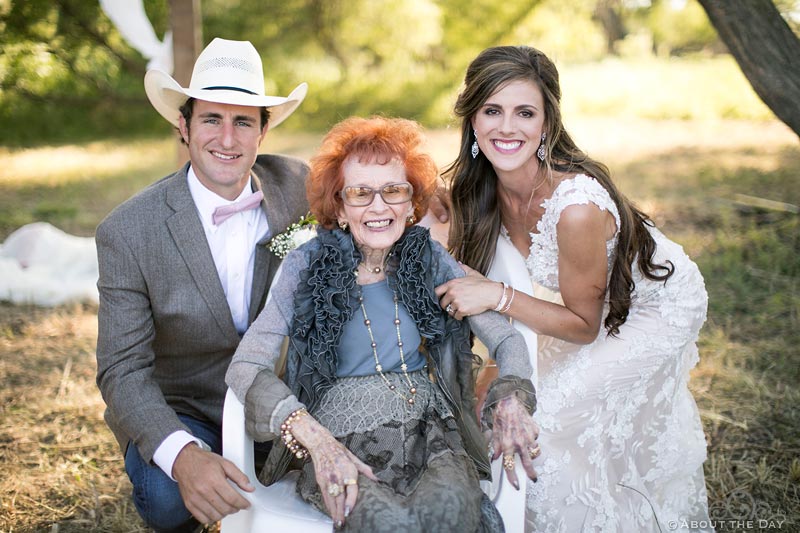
[(334, 489), (534, 452), (449, 309), (349, 481), (508, 462)]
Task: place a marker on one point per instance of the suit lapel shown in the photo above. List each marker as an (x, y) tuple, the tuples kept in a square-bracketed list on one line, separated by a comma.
[(187, 232), (277, 211)]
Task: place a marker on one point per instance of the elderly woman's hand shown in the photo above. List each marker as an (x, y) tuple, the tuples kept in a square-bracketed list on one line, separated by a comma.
[(471, 295), (514, 431), (335, 467)]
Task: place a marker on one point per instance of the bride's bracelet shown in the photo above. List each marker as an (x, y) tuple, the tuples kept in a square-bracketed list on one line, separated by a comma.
[(508, 304), (503, 298), (295, 447)]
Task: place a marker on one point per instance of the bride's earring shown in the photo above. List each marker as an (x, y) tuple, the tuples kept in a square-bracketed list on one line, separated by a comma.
[(475, 150), (541, 153)]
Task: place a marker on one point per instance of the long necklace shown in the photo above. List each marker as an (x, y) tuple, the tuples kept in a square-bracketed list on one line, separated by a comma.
[(378, 366)]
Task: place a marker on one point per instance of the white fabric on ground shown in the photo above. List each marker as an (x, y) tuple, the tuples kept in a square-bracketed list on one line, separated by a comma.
[(43, 265)]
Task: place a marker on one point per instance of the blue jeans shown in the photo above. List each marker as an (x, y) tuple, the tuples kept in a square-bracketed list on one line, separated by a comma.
[(155, 495)]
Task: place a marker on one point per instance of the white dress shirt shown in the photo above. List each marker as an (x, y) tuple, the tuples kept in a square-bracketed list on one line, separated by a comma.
[(233, 247)]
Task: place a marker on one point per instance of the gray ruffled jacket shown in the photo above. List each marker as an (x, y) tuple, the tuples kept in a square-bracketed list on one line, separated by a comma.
[(315, 296)]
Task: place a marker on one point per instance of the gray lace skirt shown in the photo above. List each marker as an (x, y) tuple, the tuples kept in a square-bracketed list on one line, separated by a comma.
[(427, 482)]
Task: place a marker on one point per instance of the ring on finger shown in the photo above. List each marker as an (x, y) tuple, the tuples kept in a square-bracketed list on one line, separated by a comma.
[(349, 481), (508, 462), (449, 309), (534, 452), (334, 489)]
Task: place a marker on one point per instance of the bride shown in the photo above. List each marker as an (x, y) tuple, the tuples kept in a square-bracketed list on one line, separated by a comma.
[(618, 306)]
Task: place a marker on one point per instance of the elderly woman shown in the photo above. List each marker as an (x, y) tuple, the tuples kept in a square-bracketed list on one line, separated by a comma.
[(377, 400)]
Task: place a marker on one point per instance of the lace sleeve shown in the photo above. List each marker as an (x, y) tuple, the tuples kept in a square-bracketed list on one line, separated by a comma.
[(579, 190)]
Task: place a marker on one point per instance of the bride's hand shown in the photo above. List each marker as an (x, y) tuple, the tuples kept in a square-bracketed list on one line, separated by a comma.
[(470, 295), (515, 432), (335, 467)]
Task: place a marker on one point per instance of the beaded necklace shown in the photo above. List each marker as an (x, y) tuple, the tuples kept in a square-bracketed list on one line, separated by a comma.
[(378, 366)]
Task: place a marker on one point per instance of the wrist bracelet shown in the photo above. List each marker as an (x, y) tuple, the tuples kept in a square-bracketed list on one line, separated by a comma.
[(502, 301), (511, 299), (295, 447)]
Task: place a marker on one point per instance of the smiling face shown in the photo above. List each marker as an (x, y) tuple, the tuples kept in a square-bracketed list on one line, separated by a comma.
[(509, 127), (223, 143), (377, 226)]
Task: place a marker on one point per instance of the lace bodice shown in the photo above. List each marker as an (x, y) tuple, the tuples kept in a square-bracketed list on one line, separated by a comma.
[(542, 261)]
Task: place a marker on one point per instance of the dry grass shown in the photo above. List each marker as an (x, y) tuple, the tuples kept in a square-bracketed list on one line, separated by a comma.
[(63, 472), (60, 463)]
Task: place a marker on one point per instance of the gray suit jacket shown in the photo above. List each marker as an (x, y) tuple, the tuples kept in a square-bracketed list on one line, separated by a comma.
[(165, 332)]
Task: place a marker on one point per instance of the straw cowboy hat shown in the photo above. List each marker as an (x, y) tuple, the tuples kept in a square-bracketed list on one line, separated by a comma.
[(227, 72)]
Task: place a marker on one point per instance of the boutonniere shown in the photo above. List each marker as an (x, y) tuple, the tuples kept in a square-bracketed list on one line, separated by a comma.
[(295, 235)]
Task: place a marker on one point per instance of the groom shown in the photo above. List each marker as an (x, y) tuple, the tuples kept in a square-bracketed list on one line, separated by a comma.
[(184, 269)]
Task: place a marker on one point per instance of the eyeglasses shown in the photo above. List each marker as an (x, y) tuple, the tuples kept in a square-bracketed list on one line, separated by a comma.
[(394, 193)]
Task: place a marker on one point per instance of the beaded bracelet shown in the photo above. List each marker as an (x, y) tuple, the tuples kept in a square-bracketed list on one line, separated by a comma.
[(295, 447), (502, 301)]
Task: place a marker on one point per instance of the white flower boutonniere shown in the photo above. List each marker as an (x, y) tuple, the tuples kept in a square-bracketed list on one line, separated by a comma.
[(294, 236)]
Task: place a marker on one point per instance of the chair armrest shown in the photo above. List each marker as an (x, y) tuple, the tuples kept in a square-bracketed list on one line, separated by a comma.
[(237, 446), (274, 508), (510, 502)]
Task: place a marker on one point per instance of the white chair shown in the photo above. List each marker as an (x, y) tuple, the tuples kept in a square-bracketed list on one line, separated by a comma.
[(277, 508)]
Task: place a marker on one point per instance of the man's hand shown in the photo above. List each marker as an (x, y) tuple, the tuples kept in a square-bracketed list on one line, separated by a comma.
[(203, 482)]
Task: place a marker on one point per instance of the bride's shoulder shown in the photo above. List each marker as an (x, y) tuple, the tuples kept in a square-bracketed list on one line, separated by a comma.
[(579, 188), (581, 195)]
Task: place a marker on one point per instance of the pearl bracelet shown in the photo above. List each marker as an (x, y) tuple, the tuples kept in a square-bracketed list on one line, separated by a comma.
[(295, 447), (502, 301)]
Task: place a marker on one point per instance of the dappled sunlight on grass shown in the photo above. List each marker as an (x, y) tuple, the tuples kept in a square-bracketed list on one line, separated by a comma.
[(655, 88), (60, 165)]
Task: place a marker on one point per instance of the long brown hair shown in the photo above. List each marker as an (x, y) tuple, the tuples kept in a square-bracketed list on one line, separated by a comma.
[(476, 217)]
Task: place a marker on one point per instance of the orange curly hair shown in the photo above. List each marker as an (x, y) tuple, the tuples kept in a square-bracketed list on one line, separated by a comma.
[(375, 139)]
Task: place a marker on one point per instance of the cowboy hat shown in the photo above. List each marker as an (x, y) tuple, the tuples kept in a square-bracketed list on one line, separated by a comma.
[(226, 72)]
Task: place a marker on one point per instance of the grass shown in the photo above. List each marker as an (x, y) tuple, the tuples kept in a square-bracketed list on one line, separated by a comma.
[(62, 470), (701, 88)]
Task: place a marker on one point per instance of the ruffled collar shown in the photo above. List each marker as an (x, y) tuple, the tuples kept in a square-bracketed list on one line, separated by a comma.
[(326, 298)]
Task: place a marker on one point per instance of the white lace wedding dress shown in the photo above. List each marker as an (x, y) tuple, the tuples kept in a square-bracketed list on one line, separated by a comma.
[(623, 447)]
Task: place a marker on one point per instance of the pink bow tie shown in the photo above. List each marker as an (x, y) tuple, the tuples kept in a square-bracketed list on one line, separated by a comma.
[(224, 212)]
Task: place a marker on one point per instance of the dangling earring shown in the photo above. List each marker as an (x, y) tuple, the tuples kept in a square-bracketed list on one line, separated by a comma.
[(343, 225), (410, 220), (540, 153), (475, 150)]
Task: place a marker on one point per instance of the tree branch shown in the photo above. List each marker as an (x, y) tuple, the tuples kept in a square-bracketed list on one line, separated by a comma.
[(766, 49)]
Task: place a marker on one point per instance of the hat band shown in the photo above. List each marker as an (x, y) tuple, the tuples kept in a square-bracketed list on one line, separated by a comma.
[(223, 88)]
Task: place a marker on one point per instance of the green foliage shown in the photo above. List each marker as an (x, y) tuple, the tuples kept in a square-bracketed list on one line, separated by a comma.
[(671, 27), (67, 75), (677, 30), (564, 30)]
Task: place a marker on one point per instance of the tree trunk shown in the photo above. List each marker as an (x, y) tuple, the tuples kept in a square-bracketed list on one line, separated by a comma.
[(187, 37), (187, 42), (767, 50), (606, 13)]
